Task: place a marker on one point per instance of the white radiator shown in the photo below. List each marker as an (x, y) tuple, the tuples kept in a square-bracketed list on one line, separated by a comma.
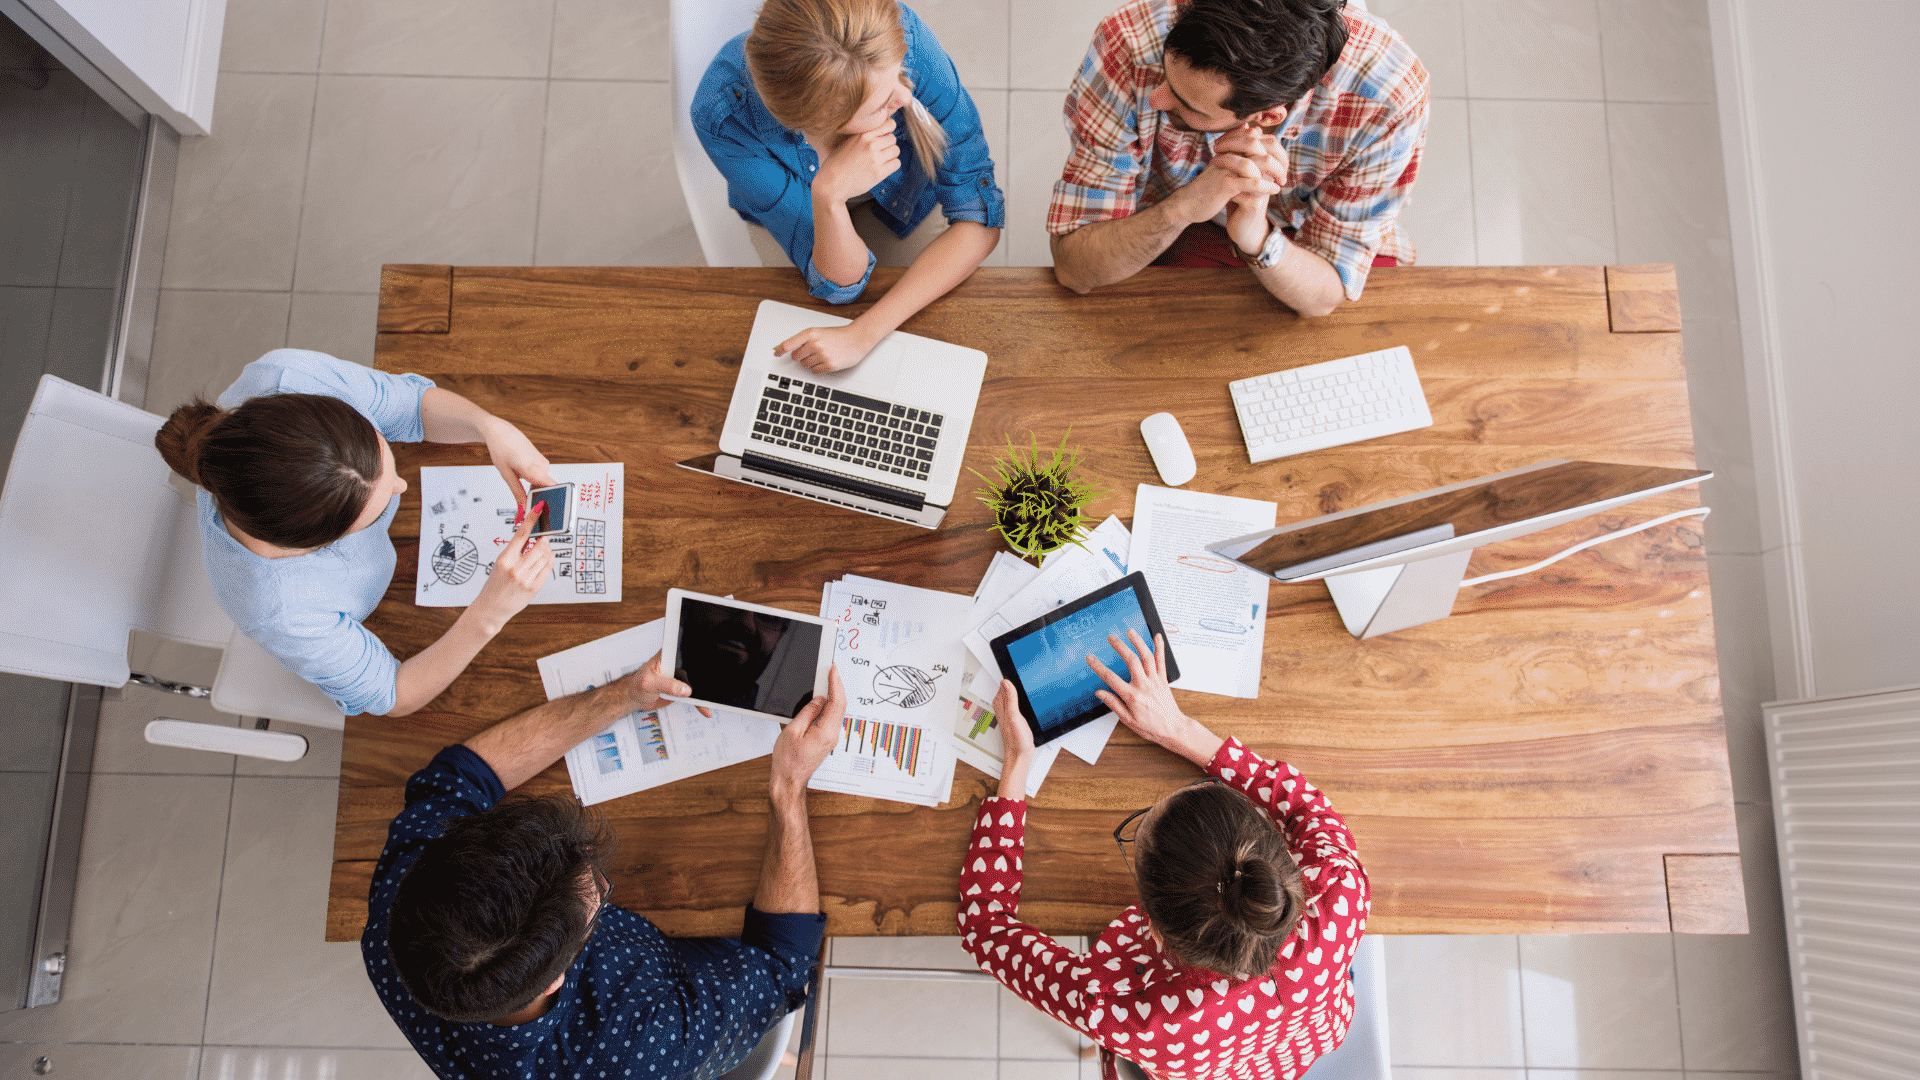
[(1846, 805)]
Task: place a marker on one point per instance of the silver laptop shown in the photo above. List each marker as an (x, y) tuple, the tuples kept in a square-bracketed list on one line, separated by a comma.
[(885, 437)]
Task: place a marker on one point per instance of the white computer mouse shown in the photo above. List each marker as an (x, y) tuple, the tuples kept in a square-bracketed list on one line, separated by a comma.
[(1168, 445)]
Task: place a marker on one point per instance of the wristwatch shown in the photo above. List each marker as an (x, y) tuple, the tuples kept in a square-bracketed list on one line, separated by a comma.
[(1270, 250)]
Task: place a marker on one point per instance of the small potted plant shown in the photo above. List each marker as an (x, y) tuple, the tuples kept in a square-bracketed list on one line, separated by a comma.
[(1037, 505)]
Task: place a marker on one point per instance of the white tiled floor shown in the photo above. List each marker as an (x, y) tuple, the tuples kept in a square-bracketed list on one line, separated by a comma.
[(356, 132)]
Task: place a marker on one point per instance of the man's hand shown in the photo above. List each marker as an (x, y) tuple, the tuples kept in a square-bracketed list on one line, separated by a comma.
[(1262, 149), (809, 737), (514, 455), (821, 349), (859, 162), (653, 685), (1226, 178)]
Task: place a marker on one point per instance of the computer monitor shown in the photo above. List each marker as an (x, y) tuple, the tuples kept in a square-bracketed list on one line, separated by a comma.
[(1399, 563)]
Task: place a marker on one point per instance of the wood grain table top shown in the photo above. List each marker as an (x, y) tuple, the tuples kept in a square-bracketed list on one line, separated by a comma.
[(1549, 759)]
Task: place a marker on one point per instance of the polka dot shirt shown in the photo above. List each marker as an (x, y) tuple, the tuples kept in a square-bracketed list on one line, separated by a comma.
[(636, 1004), (1176, 1021)]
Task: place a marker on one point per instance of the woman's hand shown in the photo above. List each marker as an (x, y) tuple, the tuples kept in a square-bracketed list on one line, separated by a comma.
[(1016, 738), (821, 349), (513, 454), (1145, 703), (519, 571), (859, 162)]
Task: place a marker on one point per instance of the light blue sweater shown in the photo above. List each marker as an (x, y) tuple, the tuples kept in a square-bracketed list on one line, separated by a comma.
[(306, 609)]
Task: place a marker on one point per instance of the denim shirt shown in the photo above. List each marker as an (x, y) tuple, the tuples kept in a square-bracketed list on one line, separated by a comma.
[(770, 168)]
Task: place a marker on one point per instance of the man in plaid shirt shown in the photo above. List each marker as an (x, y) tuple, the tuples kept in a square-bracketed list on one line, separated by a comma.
[(1279, 134)]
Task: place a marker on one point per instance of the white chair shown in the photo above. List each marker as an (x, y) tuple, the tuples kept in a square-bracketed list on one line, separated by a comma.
[(764, 1061), (1365, 1054), (698, 29), (101, 544)]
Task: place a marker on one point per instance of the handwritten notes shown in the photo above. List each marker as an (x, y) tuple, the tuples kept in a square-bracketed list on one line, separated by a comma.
[(1215, 611), (466, 517)]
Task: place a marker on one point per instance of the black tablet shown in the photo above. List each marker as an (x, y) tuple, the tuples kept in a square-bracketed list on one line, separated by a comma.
[(1047, 658)]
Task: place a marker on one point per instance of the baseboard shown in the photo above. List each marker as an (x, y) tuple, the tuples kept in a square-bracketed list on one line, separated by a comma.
[(1779, 510)]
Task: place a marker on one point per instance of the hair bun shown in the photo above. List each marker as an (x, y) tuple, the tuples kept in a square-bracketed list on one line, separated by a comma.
[(181, 438), (1253, 894)]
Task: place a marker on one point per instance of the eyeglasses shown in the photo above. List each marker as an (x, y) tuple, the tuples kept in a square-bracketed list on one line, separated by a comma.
[(1129, 830), (605, 888)]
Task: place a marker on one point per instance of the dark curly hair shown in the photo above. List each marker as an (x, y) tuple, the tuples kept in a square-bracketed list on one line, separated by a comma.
[(1271, 52), (492, 911), (1217, 881)]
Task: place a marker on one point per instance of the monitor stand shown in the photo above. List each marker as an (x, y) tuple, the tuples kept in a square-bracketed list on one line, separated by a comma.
[(1375, 602)]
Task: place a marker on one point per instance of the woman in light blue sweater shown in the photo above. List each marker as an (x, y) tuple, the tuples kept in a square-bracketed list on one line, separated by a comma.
[(297, 489)]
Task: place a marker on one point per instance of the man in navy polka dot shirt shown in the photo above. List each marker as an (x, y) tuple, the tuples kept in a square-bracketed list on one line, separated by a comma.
[(490, 939)]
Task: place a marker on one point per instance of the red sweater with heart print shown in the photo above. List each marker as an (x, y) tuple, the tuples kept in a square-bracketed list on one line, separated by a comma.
[(1181, 1022)]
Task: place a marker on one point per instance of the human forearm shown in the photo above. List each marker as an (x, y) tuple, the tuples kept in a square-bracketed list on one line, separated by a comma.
[(946, 262), (1109, 251), (788, 882), (838, 252), (425, 674), (1013, 776), (1303, 281), (519, 748), (449, 418)]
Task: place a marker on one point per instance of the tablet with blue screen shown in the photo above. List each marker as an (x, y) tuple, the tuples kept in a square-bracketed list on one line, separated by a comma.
[(1046, 659)]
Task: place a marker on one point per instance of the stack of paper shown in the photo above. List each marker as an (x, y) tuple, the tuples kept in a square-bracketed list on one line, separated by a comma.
[(1065, 575), (976, 731), (646, 749), (899, 653)]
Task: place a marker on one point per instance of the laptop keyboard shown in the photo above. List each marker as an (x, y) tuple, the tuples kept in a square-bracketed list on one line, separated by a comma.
[(799, 415)]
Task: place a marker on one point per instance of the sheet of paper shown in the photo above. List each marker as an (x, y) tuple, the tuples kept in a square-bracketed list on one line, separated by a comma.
[(1086, 741), (1067, 574), (976, 739), (900, 657), (1006, 575), (1214, 610), (644, 750), (466, 517)]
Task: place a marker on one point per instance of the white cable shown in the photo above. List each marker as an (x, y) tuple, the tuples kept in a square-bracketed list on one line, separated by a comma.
[(1703, 511)]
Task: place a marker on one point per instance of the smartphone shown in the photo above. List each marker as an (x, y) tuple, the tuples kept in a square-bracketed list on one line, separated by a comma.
[(552, 508)]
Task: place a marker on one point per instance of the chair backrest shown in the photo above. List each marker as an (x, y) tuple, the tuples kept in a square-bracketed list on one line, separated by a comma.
[(1366, 1053), (98, 542), (699, 28)]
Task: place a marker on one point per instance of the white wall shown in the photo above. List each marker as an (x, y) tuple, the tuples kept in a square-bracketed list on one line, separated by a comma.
[(1818, 124), (165, 54)]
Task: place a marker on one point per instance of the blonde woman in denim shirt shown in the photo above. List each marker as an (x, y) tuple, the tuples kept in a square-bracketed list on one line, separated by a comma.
[(826, 101)]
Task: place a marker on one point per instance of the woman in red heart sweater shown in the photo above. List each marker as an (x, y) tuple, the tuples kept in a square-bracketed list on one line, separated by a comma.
[(1252, 902)]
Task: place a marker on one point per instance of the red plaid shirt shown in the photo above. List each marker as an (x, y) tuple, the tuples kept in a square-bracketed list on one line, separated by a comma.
[(1353, 145)]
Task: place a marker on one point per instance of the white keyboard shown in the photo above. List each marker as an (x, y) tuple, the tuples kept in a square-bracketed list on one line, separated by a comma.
[(1330, 404)]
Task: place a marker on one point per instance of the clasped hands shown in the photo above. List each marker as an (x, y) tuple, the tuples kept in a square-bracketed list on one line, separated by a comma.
[(1247, 170)]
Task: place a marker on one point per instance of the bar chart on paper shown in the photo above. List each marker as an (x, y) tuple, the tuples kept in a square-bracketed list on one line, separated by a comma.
[(905, 746), (900, 663)]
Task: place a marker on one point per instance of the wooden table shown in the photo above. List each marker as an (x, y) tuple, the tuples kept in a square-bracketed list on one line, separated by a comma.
[(1549, 759)]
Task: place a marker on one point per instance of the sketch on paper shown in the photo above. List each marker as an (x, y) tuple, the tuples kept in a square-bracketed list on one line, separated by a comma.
[(467, 517)]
